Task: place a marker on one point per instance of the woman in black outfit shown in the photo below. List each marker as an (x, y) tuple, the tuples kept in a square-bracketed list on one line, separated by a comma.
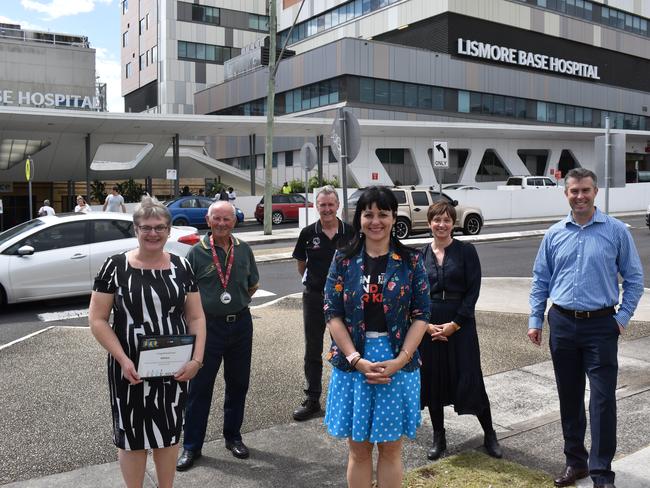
[(451, 369)]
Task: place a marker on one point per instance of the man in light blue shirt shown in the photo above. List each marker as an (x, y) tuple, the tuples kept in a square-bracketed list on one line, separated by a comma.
[(577, 267)]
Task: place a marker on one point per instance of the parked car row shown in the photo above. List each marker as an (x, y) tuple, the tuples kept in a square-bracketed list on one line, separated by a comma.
[(191, 210)]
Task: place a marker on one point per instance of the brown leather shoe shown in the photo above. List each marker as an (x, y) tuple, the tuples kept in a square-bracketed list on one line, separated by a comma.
[(571, 475)]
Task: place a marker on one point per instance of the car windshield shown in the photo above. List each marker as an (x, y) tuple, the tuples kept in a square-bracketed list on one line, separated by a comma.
[(170, 202), (20, 228)]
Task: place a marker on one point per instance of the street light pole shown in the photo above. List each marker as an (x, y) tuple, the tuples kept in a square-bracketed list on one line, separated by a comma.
[(270, 113)]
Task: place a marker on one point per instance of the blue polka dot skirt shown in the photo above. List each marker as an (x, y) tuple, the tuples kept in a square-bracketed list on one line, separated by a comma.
[(373, 413)]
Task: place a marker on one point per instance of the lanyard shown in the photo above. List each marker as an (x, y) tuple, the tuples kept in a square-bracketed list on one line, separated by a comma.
[(230, 257)]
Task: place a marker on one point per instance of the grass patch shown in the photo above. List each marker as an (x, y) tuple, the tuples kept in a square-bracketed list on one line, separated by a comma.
[(473, 469)]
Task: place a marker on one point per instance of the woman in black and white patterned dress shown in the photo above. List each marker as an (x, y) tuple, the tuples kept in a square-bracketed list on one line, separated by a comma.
[(151, 292)]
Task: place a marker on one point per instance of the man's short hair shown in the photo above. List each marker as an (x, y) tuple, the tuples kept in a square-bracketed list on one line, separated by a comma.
[(46, 202), (580, 173), (115, 188), (328, 190), (216, 203)]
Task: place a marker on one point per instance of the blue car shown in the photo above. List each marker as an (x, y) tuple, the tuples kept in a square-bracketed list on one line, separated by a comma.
[(191, 210)]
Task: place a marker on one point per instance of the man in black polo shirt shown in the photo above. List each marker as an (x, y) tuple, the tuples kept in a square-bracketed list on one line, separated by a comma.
[(314, 251)]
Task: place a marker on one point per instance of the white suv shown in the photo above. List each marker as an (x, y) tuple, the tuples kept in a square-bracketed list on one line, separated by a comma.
[(530, 182)]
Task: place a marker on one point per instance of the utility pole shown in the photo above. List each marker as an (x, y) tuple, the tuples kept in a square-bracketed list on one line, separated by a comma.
[(270, 113)]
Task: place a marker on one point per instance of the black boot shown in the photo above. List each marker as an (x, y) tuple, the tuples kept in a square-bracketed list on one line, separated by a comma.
[(439, 445), (492, 445)]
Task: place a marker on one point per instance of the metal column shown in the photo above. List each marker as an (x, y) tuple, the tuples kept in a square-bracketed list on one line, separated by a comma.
[(177, 164), (253, 162), (88, 162)]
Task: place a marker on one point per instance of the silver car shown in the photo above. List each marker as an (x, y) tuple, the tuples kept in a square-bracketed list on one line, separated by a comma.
[(59, 255)]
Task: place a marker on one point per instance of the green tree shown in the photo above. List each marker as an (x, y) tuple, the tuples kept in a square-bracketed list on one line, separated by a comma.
[(97, 191), (131, 191)]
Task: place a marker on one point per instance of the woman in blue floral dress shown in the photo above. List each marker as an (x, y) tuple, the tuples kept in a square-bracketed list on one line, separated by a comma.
[(377, 310)]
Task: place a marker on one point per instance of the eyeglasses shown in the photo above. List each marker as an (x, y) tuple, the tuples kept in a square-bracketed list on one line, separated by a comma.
[(159, 229)]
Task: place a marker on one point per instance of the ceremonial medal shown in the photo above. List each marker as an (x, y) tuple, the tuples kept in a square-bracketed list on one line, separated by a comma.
[(225, 297)]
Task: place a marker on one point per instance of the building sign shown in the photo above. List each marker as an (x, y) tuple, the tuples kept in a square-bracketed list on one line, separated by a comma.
[(520, 57), (38, 99)]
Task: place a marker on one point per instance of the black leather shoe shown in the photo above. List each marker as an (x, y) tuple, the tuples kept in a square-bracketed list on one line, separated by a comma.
[(307, 410), (186, 461), (604, 485), (492, 445), (238, 449), (439, 445), (570, 476)]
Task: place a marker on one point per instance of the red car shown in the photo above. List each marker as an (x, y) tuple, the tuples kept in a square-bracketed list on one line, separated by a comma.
[(285, 207)]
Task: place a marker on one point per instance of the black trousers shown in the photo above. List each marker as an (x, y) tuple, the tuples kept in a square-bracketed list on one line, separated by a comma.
[(231, 343), (314, 326), (588, 347)]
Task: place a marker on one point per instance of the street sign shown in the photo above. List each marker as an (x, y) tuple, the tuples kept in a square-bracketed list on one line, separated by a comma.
[(352, 136), (28, 169), (171, 174), (440, 155), (308, 155)]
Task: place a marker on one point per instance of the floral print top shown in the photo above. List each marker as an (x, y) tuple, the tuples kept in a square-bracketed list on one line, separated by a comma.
[(405, 299)]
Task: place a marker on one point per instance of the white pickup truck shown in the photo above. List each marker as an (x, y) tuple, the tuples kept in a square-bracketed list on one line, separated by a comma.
[(527, 182)]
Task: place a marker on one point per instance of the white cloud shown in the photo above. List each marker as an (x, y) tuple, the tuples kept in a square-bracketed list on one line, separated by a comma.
[(108, 69), (61, 8), (24, 24)]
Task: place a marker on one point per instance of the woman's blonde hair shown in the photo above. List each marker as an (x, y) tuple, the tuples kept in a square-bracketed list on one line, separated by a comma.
[(150, 207)]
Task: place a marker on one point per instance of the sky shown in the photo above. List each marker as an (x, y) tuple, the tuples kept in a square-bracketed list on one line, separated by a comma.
[(99, 20)]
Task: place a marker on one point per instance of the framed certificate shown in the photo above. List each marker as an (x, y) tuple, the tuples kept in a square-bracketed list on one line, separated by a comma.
[(163, 355)]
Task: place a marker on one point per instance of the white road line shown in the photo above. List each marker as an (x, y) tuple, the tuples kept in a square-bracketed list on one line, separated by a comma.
[(67, 314), (263, 293), (25, 337), (273, 302)]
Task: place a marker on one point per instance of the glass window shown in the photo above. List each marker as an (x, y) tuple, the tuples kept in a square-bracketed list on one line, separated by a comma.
[(306, 98), (253, 22), (366, 6), (420, 198), (475, 102), (58, 237), (569, 115), (297, 100), (463, 101), (396, 93), (410, 95), (541, 111), (288, 102), (200, 51), (400, 195), (499, 108), (486, 102), (520, 108), (509, 107), (334, 91), (191, 50), (578, 116), (141, 26), (288, 158), (358, 9), (438, 99), (335, 17), (125, 39), (382, 93), (125, 6), (128, 70), (264, 23), (424, 97), (314, 95), (491, 168), (182, 49), (111, 230), (559, 114), (210, 53), (324, 89), (328, 20)]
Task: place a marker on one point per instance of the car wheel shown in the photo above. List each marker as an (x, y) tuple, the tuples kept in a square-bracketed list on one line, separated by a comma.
[(180, 221), (472, 225), (402, 228), (3, 298), (277, 218)]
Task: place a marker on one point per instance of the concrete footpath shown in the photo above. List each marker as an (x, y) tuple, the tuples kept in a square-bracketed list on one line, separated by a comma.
[(524, 408)]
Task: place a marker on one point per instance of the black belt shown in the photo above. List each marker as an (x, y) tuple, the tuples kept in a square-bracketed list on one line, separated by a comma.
[(446, 295), (584, 314), (230, 318)]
